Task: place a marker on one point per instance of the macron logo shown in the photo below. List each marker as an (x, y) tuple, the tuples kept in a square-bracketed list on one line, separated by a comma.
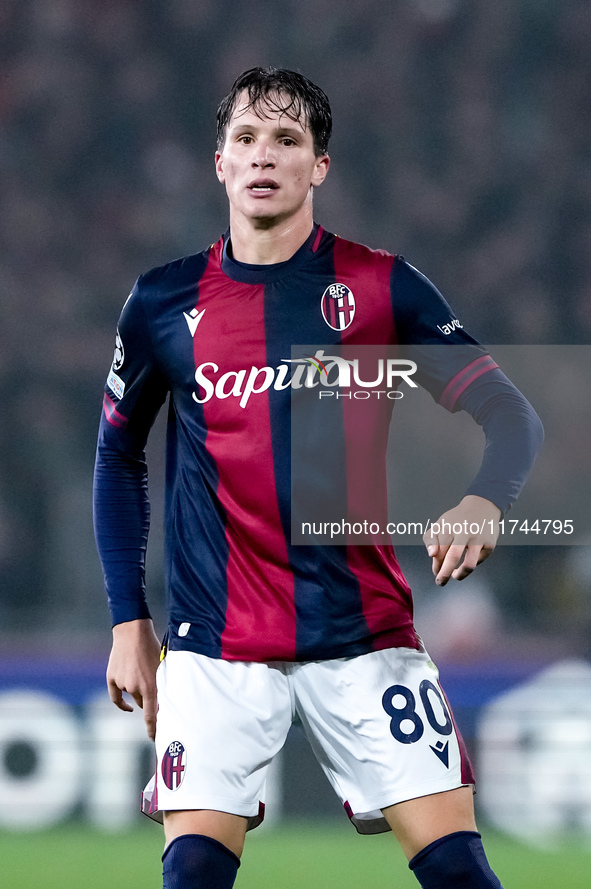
[(441, 751), (193, 318)]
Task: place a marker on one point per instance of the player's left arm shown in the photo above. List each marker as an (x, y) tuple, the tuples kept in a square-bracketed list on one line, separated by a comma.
[(461, 375), (466, 535)]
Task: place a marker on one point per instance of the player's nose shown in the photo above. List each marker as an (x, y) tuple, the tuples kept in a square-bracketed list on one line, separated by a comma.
[(264, 156)]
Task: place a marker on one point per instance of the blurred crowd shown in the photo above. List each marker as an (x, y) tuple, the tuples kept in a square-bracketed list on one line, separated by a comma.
[(462, 140)]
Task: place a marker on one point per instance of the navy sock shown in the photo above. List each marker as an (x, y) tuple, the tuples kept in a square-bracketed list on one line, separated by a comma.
[(457, 860), (194, 861)]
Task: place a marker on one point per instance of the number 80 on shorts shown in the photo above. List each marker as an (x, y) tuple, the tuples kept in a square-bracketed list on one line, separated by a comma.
[(406, 725)]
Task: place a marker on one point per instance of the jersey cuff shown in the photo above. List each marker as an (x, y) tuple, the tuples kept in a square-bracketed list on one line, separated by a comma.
[(128, 611)]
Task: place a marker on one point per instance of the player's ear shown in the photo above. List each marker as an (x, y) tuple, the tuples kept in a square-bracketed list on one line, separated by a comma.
[(320, 169), (219, 166)]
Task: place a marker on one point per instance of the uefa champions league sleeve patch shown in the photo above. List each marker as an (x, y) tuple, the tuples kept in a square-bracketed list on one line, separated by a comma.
[(119, 355), (114, 382), (174, 763)]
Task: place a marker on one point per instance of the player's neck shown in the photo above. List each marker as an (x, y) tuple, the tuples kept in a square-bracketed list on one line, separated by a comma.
[(265, 245)]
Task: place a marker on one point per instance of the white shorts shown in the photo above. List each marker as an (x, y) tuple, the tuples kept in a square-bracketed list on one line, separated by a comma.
[(378, 724)]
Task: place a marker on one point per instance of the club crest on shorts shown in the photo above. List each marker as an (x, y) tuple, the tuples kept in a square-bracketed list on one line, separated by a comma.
[(174, 763), (338, 306)]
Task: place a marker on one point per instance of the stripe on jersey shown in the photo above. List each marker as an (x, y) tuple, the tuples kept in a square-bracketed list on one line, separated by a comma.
[(366, 484), (196, 548), (260, 608), (326, 590), (112, 414), (317, 239), (463, 379)]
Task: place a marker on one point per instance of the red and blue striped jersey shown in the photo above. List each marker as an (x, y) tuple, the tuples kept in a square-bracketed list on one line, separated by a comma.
[(213, 334)]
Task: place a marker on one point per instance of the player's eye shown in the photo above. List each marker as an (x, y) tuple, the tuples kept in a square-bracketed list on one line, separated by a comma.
[(287, 141), (246, 140)]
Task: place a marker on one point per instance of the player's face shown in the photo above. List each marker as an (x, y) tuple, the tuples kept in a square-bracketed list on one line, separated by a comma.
[(268, 166)]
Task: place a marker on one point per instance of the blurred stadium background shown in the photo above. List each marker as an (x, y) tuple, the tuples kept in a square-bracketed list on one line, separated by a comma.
[(462, 140)]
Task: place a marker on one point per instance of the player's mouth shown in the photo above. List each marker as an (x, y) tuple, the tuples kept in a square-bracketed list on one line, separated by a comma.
[(262, 186)]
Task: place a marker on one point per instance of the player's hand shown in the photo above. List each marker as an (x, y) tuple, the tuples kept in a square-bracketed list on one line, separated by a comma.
[(132, 666), (462, 538)]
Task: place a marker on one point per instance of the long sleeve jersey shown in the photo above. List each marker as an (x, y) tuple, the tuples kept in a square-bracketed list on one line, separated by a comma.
[(215, 336)]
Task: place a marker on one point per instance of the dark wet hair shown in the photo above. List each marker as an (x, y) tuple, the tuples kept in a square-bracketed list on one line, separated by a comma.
[(281, 90)]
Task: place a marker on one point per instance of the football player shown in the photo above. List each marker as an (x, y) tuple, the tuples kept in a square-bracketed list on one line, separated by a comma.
[(262, 632)]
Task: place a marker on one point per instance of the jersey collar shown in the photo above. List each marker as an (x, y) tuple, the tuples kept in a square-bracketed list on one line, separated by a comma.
[(267, 274)]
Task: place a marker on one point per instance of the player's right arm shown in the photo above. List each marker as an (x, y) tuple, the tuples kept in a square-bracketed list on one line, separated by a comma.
[(134, 392), (132, 666)]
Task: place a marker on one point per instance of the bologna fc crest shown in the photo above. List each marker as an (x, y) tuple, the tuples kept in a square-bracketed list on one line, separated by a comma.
[(174, 763), (338, 306)]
